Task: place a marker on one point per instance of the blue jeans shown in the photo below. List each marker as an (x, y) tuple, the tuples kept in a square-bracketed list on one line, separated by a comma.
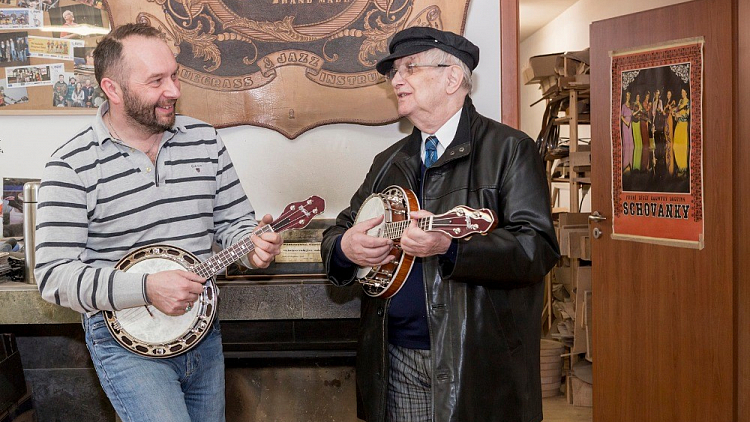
[(184, 388)]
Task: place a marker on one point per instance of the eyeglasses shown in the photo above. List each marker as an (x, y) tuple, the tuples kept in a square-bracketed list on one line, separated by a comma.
[(408, 69)]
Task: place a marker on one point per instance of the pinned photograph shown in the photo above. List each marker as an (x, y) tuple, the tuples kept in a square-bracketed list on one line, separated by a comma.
[(93, 3), (11, 96), (37, 75), (51, 48), (83, 57), (76, 90), (14, 49), (42, 5), (20, 18), (60, 89), (77, 21)]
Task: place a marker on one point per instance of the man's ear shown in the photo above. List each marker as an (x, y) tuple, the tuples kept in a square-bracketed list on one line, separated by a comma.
[(112, 89), (455, 78)]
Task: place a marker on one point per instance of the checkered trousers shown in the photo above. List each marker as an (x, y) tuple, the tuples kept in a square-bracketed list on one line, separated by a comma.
[(409, 385)]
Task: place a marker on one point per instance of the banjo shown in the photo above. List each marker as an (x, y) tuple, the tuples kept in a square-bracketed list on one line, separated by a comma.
[(147, 331), (396, 203)]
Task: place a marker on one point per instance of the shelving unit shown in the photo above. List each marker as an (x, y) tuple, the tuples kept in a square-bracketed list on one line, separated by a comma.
[(575, 245), (567, 314)]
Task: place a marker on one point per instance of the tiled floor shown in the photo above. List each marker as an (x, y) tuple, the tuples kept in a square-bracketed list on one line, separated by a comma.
[(557, 409)]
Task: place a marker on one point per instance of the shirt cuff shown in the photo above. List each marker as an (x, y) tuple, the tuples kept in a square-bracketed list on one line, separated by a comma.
[(339, 259), (145, 292), (129, 290), (452, 252), (245, 260)]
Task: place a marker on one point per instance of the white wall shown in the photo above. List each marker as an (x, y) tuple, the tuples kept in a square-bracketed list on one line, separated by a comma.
[(329, 161), (569, 32)]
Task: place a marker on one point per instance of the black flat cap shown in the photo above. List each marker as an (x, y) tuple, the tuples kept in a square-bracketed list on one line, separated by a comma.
[(418, 39)]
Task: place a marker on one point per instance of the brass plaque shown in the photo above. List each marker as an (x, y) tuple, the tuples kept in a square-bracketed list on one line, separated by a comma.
[(299, 252)]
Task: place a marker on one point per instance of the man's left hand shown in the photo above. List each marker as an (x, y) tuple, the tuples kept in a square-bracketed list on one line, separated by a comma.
[(267, 245), (417, 242)]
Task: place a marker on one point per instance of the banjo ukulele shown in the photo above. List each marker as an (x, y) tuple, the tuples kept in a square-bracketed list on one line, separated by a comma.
[(395, 204), (147, 331)]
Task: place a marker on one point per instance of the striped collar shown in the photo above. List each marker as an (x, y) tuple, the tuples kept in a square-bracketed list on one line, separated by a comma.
[(102, 134)]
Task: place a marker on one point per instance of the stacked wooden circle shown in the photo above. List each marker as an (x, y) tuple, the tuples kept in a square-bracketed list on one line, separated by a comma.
[(551, 367)]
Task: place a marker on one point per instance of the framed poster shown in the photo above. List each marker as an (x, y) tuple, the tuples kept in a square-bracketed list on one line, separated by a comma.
[(657, 140), (45, 63)]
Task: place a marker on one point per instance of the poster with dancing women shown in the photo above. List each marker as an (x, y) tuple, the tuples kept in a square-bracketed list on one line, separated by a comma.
[(657, 139)]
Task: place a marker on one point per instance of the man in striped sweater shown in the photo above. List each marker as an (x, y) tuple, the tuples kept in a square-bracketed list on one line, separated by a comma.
[(142, 175)]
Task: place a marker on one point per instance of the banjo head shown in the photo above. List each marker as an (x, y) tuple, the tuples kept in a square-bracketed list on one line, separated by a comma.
[(374, 206), (394, 203), (146, 330)]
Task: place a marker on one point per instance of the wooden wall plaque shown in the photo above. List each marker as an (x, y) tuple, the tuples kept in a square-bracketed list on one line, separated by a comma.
[(288, 65)]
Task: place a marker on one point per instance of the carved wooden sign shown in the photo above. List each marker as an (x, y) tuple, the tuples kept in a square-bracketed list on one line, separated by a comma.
[(288, 65)]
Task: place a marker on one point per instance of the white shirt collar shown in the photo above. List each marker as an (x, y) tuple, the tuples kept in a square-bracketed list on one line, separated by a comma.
[(445, 134)]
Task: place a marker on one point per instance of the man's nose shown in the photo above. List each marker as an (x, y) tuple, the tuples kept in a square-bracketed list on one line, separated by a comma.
[(397, 79), (172, 89)]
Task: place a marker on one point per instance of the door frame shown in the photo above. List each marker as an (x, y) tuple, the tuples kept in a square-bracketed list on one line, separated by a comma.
[(741, 154), (510, 85)]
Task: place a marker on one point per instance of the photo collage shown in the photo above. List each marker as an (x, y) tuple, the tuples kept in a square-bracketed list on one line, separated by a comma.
[(46, 49)]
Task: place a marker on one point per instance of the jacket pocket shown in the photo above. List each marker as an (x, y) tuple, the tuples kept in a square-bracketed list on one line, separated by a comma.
[(508, 329)]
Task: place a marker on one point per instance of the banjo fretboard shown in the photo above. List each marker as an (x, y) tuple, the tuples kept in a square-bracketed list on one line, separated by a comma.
[(221, 260)]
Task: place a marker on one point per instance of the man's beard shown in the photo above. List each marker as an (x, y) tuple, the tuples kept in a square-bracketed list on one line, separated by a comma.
[(145, 114)]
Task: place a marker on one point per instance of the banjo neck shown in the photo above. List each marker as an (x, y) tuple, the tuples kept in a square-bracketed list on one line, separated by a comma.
[(396, 229), (295, 216), (223, 259), (460, 221)]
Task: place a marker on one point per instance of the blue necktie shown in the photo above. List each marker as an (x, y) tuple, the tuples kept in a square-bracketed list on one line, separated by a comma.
[(430, 151)]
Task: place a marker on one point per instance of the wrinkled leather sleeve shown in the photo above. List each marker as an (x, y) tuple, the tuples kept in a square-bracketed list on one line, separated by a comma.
[(523, 247)]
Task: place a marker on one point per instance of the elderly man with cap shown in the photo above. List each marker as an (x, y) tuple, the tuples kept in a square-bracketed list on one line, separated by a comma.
[(460, 340)]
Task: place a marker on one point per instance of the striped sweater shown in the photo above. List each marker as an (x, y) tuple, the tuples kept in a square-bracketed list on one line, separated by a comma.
[(100, 199)]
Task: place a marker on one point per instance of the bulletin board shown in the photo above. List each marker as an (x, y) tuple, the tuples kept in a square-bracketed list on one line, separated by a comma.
[(45, 56)]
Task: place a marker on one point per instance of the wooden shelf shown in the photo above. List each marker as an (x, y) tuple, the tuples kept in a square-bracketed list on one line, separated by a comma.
[(564, 94), (583, 119), (580, 180)]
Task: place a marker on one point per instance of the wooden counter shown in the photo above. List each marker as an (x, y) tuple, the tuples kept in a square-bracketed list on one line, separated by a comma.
[(240, 300), (299, 330)]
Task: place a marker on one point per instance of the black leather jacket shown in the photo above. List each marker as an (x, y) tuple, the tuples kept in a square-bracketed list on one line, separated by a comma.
[(485, 311)]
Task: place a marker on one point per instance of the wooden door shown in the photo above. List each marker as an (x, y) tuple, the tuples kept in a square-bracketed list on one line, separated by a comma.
[(663, 317)]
